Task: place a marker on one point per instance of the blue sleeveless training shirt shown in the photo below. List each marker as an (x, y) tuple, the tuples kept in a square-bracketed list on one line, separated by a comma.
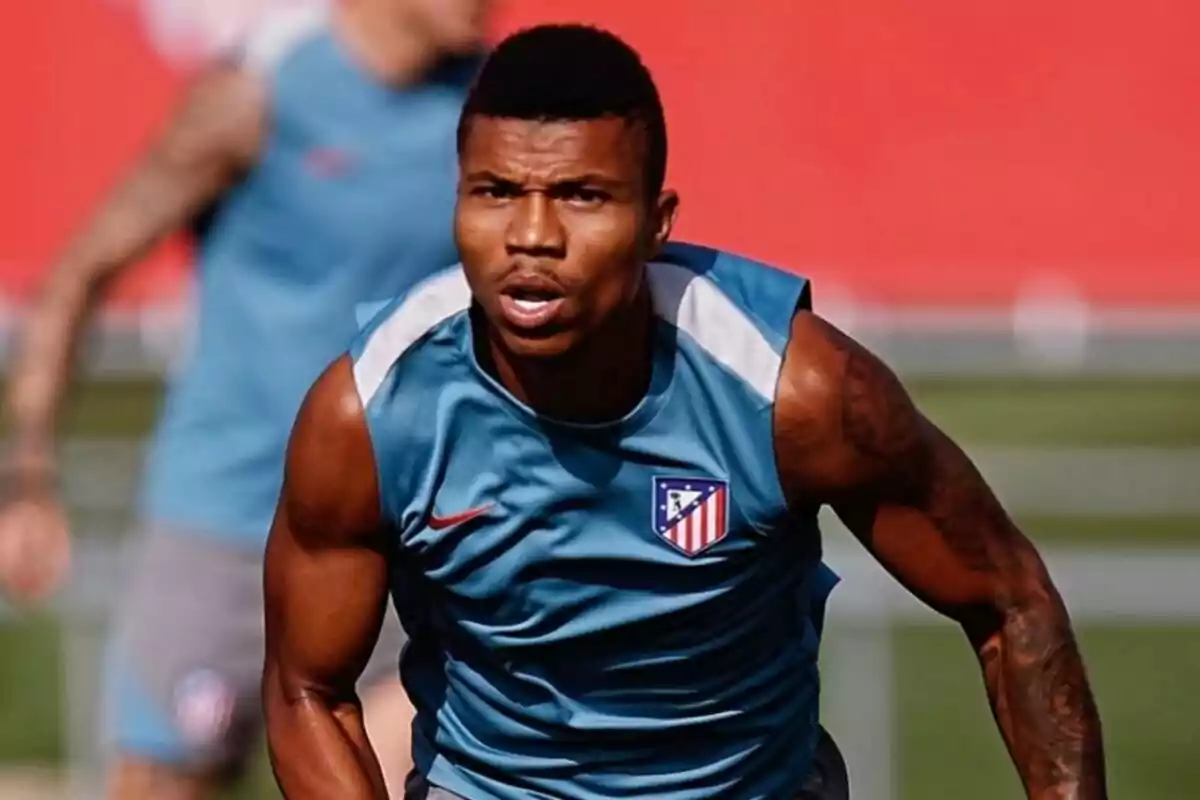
[(602, 611)]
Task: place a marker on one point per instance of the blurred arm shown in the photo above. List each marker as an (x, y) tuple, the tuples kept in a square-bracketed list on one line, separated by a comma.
[(326, 580), (848, 434), (204, 148)]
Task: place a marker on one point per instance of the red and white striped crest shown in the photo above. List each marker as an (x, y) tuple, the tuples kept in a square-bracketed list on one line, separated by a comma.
[(690, 513)]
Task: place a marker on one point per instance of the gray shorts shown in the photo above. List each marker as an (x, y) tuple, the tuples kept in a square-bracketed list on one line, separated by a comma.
[(185, 656)]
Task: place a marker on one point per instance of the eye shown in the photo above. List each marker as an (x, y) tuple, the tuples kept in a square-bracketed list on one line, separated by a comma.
[(495, 191), (590, 196), (583, 196)]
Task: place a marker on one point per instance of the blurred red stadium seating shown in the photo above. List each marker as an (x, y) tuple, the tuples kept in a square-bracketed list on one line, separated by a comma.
[(932, 154)]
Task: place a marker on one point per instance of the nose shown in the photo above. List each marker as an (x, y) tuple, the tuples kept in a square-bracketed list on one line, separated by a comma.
[(535, 228)]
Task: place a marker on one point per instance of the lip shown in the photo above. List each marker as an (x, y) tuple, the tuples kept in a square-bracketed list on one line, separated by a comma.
[(529, 314), (530, 301)]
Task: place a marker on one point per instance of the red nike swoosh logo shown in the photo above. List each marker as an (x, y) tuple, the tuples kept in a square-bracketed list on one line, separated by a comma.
[(328, 162), (438, 523)]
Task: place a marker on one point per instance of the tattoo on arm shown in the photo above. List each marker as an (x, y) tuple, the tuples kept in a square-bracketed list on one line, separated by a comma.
[(1039, 691), (919, 504), (915, 464), (209, 142), (212, 138)]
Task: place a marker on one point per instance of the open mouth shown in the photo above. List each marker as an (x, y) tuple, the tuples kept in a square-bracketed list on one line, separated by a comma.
[(530, 304)]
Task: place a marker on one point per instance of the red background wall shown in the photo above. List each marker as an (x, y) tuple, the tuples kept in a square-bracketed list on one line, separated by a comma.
[(934, 153)]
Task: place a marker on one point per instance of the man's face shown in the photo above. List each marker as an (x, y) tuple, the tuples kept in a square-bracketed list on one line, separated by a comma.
[(554, 225), (456, 26)]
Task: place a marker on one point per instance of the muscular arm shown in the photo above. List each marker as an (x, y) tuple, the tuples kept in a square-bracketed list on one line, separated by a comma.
[(847, 434), (206, 146), (326, 590)]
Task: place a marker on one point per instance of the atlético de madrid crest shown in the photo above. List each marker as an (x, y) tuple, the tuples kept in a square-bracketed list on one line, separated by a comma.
[(690, 513)]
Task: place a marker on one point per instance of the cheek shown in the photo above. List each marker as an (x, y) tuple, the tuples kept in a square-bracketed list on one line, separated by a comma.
[(603, 238), (611, 282), (479, 231), (614, 292), (605, 249)]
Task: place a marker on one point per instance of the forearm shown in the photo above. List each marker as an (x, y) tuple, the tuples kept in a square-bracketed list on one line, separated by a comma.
[(42, 366), (1042, 701), (140, 211), (205, 148), (318, 747)]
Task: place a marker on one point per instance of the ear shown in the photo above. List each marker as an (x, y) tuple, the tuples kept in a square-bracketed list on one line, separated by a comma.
[(665, 209)]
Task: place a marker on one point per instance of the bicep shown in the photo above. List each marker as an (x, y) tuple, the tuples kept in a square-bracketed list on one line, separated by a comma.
[(852, 438), (326, 571), (325, 604), (933, 522)]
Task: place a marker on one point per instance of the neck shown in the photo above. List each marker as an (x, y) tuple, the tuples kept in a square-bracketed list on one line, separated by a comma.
[(384, 44), (601, 380)]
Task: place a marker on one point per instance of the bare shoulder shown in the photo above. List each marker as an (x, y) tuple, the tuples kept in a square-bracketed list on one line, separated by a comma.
[(330, 482), (840, 412)]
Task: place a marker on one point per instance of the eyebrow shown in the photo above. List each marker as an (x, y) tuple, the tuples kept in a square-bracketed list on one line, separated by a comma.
[(585, 179), (588, 179), (487, 175)]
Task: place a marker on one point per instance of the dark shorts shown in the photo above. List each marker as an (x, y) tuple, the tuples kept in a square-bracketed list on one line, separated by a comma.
[(829, 779), (185, 658)]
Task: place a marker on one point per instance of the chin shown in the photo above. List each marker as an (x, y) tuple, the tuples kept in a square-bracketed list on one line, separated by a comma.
[(538, 347)]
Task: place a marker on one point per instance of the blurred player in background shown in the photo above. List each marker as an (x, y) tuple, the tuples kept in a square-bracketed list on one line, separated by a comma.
[(316, 164), (587, 465)]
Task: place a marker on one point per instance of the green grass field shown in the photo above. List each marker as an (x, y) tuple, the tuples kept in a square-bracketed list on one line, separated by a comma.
[(1161, 413), (1142, 679), (948, 747)]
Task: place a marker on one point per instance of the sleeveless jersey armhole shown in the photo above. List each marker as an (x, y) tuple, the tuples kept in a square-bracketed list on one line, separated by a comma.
[(377, 352)]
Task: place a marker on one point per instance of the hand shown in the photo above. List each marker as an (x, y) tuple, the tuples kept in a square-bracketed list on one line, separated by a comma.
[(35, 548)]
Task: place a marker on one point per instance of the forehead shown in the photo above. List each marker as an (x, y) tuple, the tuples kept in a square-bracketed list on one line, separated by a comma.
[(610, 146)]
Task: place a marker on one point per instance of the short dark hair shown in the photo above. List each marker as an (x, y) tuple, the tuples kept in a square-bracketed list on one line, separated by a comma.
[(570, 72)]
